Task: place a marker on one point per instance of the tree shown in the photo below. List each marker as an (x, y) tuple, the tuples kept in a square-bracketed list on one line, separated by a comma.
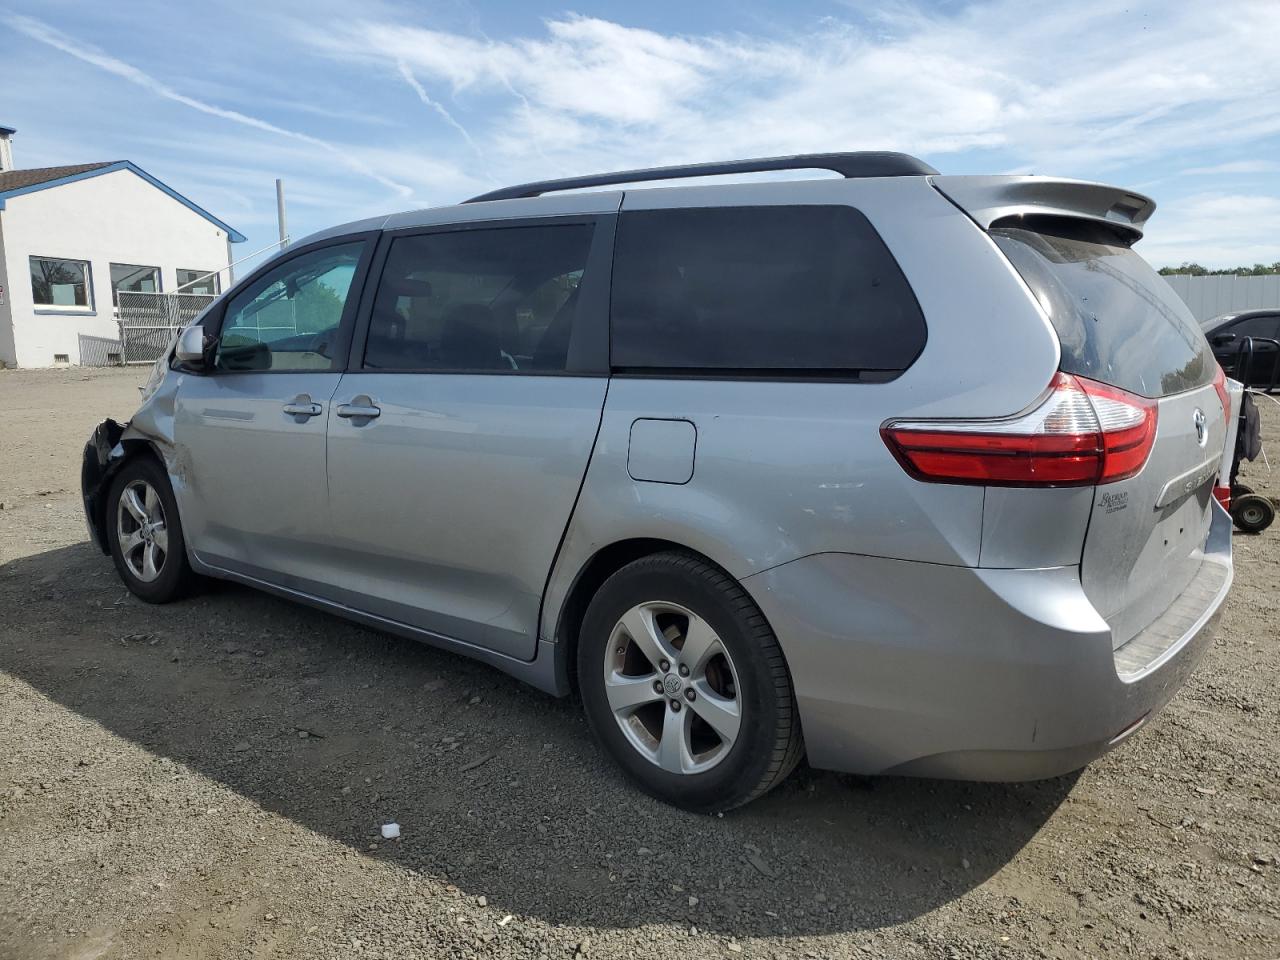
[(1196, 270)]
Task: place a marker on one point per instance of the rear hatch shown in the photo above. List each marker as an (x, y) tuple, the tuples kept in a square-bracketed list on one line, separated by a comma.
[(1121, 324)]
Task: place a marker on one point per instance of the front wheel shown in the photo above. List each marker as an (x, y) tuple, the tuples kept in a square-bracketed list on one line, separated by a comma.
[(685, 686), (145, 534)]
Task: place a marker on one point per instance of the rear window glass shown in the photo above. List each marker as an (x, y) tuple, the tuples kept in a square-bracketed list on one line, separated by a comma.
[(1117, 319), (809, 289)]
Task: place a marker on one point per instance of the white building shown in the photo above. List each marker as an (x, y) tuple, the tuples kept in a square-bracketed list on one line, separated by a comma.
[(71, 237)]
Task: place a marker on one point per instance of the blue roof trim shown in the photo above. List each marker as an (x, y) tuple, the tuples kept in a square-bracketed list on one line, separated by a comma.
[(235, 236), (7, 130)]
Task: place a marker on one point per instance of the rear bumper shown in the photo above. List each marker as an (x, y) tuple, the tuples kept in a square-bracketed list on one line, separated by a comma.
[(969, 673)]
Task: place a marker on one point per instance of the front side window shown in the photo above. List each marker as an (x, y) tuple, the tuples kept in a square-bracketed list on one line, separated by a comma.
[(289, 319), (131, 278), (60, 283), (500, 300), (796, 290), (198, 281), (1268, 327)]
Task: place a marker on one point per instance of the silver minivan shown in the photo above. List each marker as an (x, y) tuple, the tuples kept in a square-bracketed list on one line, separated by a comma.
[(908, 473)]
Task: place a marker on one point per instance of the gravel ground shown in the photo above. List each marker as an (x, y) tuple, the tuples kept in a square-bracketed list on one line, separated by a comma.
[(207, 780)]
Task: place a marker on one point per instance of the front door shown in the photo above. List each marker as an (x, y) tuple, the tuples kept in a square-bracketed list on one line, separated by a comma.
[(1263, 367), (459, 438), (250, 431)]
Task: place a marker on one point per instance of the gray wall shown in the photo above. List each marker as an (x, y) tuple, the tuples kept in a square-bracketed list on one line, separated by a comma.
[(1209, 296)]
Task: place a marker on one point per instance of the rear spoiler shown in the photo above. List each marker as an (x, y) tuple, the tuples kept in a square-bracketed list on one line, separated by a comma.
[(990, 199)]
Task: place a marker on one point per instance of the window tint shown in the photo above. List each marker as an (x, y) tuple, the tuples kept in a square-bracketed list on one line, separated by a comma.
[(198, 281), (1255, 327), (501, 300), (1118, 320), (60, 283), (131, 278), (289, 318), (760, 288)]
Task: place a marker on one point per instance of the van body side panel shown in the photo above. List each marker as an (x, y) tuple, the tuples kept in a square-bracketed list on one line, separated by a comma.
[(786, 468), (447, 509), (940, 671), (1025, 527)]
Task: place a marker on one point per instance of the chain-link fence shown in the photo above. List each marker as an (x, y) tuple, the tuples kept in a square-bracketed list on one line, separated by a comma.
[(150, 321)]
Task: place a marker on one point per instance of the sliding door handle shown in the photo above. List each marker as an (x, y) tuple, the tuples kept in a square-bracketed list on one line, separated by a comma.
[(303, 406), (360, 408)]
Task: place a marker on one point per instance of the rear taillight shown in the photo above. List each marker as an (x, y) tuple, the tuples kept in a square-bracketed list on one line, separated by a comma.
[(1081, 433), (1220, 384)]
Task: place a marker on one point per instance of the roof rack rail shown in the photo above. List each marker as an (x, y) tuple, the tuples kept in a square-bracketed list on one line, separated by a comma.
[(861, 164)]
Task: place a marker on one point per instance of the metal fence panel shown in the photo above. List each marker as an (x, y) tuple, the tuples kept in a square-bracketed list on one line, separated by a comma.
[(150, 321), (99, 351), (1210, 296)]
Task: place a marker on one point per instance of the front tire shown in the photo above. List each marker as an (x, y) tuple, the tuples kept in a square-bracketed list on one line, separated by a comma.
[(145, 534), (685, 686)]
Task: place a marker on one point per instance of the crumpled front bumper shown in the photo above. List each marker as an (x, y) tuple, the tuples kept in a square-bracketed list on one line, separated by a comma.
[(969, 673), (99, 462)]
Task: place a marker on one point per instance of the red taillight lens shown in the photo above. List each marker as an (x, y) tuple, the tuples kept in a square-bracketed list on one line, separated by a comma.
[(1081, 433), (1220, 385)]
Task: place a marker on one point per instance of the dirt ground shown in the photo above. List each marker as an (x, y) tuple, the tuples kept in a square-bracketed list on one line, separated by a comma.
[(208, 779)]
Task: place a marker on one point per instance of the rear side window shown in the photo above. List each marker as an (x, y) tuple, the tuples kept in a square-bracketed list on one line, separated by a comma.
[(1117, 319), (500, 300), (795, 290)]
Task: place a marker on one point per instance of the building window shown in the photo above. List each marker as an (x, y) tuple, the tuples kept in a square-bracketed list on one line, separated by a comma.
[(131, 278), (60, 283), (198, 281)]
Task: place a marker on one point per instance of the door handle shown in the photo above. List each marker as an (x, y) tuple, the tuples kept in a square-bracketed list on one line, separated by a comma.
[(360, 408), (303, 406)]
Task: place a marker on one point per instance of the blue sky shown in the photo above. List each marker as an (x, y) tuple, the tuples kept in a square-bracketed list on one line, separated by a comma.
[(371, 107)]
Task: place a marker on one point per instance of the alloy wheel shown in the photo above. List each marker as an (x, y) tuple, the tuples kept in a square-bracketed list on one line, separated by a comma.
[(141, 530), (672, 687)]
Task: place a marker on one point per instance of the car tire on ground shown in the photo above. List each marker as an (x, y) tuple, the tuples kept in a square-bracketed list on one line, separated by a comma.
[(145, 533), (685, 686)]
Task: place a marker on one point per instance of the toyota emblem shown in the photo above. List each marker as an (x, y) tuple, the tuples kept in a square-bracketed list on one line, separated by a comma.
[(1202, 427)]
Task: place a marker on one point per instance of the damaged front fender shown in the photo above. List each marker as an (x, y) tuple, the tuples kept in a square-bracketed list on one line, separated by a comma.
[(112, 444), (102, 457)]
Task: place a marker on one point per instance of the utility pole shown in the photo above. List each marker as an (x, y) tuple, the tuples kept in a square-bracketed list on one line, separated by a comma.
[(280, 214)]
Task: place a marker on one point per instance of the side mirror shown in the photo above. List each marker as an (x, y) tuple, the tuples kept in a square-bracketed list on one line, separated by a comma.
[(190, 346), (1220, 339)]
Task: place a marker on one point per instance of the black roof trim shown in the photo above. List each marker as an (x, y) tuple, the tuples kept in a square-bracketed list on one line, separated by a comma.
[(862, 164)]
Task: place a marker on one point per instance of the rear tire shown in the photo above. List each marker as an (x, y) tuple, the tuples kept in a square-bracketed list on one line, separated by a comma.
[(1253, 513), (718, 725), (145, 534)]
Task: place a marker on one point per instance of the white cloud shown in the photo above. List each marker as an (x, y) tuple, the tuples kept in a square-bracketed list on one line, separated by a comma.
[(1064, 88), (435, 105), (1214, 229), (1090, 89), (1181, 97), (38, 30), (1234, 167)]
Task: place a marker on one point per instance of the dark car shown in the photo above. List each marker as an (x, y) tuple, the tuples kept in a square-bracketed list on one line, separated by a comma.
[(1227, 335)]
